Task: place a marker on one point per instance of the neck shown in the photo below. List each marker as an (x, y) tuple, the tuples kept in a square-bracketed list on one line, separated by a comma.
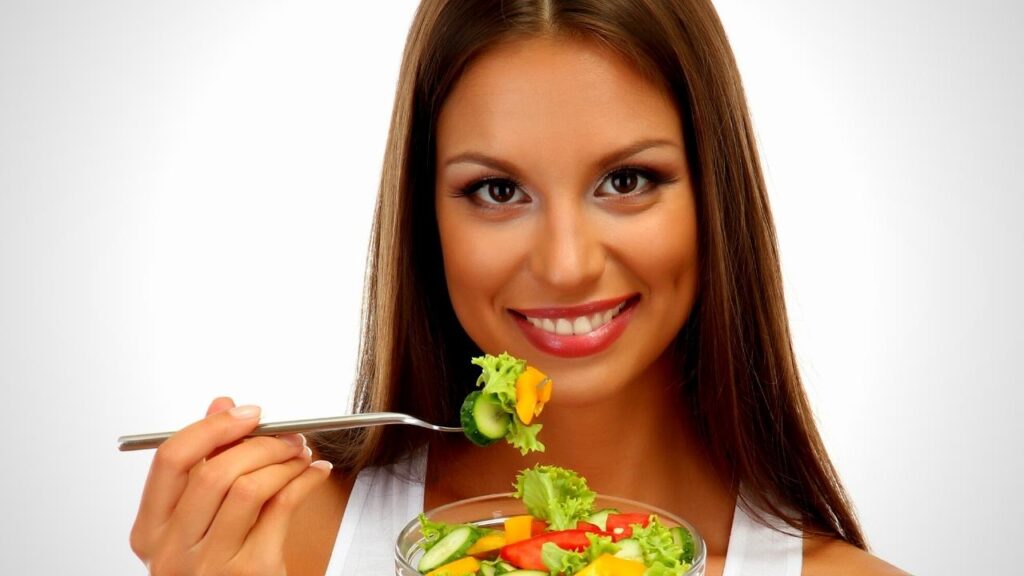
[(640, 444)]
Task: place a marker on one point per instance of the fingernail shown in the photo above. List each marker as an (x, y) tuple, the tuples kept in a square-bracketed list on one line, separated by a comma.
[(308, 452), (323, 465), (245, 412), (294, 439)]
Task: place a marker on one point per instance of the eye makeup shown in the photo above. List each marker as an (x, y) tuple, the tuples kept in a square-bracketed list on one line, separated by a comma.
[(474, 188)]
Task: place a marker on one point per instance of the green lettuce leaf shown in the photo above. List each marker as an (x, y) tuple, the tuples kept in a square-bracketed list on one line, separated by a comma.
[(662, 555), (498, 376), (562, 562), (555, 494), (524, 436), (600, 545)]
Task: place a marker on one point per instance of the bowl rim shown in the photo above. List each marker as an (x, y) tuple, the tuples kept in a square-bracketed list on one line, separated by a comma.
[(699, 559)]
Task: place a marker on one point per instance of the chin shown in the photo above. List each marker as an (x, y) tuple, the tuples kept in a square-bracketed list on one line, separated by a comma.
[(582, 390)]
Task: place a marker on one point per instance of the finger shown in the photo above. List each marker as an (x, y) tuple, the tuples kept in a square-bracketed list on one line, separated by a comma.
[(220, 404), (242, 505), (168, 474), (210, 482), (271, 528)]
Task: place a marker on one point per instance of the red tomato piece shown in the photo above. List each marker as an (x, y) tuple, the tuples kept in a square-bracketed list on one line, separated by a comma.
[(620, 525), (526, 554), (538, 527)]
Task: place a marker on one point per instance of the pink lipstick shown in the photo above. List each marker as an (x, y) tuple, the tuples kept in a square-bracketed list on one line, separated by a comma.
[(576, 331)]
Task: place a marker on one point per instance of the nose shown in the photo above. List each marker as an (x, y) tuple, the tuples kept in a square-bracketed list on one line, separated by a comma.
[(568, 254)]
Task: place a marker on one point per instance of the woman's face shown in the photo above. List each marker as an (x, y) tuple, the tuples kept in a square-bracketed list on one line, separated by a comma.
[(566, 213)]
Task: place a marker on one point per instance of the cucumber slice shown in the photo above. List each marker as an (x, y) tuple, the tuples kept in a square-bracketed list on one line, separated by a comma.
[(682, 537), (448, 549), (487, 570), (483, 420), (600, 518), (629, 549)]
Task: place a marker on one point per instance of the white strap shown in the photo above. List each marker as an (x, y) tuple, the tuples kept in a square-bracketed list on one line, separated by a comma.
[(757, 550), (382, 502)]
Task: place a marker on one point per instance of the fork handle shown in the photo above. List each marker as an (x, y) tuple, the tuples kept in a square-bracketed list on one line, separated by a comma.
[(150, 441)]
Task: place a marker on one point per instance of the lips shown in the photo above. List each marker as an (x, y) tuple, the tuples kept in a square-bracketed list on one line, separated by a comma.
[(572, 332), (578, 325)]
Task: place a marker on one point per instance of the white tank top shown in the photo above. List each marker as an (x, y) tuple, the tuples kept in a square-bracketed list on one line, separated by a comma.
[(385, 499)]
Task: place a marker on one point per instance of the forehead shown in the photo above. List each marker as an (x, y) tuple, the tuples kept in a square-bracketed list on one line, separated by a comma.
[(538, 96)]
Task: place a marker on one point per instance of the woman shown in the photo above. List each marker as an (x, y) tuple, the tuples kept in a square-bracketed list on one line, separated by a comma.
[(575, 182)]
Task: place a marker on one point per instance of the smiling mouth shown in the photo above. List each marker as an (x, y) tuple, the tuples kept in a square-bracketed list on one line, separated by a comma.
[(576, 331), (575, 325), (576, 320)]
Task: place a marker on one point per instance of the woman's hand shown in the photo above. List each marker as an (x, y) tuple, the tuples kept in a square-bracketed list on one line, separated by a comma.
[(216, 505)]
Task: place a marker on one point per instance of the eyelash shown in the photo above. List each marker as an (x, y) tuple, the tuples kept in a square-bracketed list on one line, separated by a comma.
[(655, 179), (470, 190)]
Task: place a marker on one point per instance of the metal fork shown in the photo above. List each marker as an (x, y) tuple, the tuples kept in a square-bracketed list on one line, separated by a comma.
[(148, 441)]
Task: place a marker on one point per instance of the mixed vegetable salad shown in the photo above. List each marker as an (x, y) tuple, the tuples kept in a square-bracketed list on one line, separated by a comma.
[(562, 535), (512, 395)]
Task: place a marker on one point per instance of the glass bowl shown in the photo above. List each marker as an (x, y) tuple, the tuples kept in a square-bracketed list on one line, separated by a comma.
[(492, 510)]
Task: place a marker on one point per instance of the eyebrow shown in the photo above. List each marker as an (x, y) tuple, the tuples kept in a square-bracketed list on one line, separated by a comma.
[(604, 162)]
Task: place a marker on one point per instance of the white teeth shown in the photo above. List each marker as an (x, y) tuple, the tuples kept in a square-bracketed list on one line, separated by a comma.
[(581, 326), (563, 327), (578, 326)]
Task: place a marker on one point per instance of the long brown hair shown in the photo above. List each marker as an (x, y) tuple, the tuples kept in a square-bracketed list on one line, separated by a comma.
[(741, 377)]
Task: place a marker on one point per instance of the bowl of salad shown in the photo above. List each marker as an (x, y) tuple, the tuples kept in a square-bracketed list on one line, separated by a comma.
[(552, 524)]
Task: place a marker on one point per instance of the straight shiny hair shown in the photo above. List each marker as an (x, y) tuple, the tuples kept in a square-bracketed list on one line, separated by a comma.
[(737, 370)]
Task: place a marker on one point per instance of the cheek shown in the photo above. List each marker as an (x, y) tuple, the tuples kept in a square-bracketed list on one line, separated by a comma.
[(662, 251), (479, 261)]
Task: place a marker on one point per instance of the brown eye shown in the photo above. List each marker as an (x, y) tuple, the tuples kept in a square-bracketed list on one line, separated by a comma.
[(496, 192), (501, 191), (624, 181), (628, 182)]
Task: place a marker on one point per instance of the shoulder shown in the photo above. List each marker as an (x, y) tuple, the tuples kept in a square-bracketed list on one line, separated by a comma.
[(833, 557)]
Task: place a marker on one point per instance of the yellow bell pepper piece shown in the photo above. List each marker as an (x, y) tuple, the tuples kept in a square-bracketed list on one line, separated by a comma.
[(487, 543), (461, 567), (608, 565), (533, 389), (517, 528)]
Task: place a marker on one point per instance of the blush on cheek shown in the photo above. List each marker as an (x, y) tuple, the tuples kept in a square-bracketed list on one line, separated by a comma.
[(480, 263), (661, 251), (474, 260)]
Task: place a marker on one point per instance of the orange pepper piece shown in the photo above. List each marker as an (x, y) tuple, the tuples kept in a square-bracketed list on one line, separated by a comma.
[(462, 567), (533, 389), (517, 528), (543, 394)]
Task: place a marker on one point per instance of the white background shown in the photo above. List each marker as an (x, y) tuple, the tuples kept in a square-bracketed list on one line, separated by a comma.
[(185, 198)]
